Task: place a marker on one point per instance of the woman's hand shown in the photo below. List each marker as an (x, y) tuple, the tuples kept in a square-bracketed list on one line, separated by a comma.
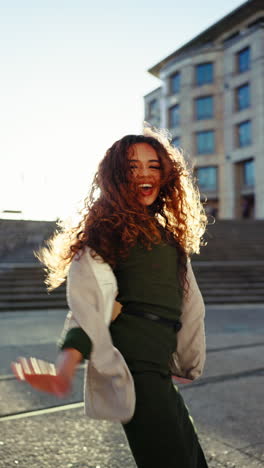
[(47, 377), (42, 376)]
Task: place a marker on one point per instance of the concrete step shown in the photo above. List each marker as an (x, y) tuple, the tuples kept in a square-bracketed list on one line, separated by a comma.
[(234, 300), (234, 284), (31, 295), (8, 306), (233, 274), (231, 292), (204, 285), (38, 288), (231, 281), (21, 279), (21, 274)]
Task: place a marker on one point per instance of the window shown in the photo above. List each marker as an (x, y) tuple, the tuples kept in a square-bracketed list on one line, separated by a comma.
[(249, 173), (152, 108), (175, 83), (244, 133), (207, 178), (204, 107), (205, 143), (243, 97), (243, 60), (174, 116), (204, 73), (176, 141)]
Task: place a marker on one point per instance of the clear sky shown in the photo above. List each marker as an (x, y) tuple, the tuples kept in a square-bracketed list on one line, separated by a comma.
[(72, 79)]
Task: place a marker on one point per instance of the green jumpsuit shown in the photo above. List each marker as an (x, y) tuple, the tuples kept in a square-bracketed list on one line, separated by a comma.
[(161, 433)]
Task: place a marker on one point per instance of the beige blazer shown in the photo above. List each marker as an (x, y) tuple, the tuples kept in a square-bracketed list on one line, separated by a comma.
[(109, 388)]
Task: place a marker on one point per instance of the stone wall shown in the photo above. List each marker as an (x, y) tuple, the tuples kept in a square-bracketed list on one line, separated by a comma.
[(227, 240), (16, 234)]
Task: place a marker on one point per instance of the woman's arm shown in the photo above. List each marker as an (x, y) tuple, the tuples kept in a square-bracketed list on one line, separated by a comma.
[(67, 361)]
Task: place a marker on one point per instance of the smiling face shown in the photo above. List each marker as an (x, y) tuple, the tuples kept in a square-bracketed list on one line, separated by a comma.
[(146, 171)]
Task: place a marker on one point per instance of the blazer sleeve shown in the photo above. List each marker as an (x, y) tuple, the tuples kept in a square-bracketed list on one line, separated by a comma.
[(87, 300), (80, 293), (189, 357)]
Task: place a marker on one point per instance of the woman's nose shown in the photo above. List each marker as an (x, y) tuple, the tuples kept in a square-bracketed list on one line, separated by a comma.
[(143, 171)]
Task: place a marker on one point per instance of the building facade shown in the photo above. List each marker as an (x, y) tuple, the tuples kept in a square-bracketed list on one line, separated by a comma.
[(211, 99)]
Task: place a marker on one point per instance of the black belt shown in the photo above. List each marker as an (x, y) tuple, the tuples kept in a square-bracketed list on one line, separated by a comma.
[(176, 324)]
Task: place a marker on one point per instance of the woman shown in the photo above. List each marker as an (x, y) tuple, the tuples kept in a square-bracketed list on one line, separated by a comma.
[(141, 222)]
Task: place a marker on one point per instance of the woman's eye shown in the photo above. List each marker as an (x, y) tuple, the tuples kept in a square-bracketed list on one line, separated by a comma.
[(150, 167)]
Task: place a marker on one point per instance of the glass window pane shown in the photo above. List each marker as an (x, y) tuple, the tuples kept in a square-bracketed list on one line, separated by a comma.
[(249, 173), (244, 60), (204, 107), (176, 141), (153, 108), (175, 83), (174, 116), (204, 73), (244, 133), (205, 142), (207, 178), (243, 97)]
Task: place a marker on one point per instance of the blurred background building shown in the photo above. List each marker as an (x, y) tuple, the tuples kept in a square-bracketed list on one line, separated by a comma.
[(211, 99)]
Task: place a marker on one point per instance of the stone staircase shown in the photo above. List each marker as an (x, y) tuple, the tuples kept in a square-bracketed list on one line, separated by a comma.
[(228, 282), (22, 287), (229, 240), (230, 269)]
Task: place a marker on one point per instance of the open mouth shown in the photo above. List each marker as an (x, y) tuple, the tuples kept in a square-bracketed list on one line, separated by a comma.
[(146, 189)]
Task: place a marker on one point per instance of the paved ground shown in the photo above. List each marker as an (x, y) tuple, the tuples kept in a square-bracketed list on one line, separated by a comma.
[(226, 404)]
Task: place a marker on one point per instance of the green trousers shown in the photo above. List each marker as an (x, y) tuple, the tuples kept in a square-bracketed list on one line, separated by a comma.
[(161, 433)]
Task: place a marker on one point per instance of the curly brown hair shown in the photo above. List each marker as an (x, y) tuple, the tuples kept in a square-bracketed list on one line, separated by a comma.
[(113, 220)]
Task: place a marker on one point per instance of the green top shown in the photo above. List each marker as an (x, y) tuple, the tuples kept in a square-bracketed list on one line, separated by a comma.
[(148, 282)]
